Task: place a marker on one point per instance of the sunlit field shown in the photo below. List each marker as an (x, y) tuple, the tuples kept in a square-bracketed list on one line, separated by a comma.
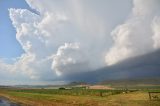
[(79, 97)]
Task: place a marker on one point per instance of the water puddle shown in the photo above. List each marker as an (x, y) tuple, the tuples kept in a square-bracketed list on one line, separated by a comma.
[(5, 102)]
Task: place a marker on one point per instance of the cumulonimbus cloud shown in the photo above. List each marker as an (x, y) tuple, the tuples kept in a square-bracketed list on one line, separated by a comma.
[(69, 58), (57, 40), (135, 36), (68, 36)]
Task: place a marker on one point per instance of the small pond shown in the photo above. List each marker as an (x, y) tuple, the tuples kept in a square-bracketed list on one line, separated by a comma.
[(6, 102)]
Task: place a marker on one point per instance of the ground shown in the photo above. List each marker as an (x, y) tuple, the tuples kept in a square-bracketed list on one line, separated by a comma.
[(52, 98)]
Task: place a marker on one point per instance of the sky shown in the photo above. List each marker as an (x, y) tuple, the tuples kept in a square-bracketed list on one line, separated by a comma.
[(42, 41), (10, 48)]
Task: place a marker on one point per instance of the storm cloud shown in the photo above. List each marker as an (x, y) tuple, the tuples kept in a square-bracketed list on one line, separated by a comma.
[(68, 36)]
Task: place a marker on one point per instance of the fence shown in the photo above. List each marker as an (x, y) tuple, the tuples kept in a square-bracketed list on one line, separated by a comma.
[(154, 95)]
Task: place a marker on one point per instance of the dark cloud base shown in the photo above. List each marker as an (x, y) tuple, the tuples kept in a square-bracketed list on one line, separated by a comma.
[(141, 67)]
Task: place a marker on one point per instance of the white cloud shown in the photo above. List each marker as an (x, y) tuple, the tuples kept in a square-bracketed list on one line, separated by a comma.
[(42, 38), (4, 67), (134, 37), (34, 61), (72, 36), (70, 58), (156, 31)]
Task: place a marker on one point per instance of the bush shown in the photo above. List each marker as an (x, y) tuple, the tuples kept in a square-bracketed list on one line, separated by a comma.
[(62, 88)]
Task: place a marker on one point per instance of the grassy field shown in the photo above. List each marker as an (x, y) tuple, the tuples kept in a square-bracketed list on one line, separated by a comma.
[(78, 97)]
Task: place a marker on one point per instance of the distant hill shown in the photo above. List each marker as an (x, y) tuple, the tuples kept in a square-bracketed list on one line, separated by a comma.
[(140, 81), (77, 83)]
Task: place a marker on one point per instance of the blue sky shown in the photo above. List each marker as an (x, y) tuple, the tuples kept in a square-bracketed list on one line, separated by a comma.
[(9, 46)]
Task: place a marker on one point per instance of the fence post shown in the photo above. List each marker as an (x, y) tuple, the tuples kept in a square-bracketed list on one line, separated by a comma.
[(149, 95), (101, 94)]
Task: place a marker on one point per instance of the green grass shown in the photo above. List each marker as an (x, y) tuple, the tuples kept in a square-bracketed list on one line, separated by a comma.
[(73, 92), (78, 97)]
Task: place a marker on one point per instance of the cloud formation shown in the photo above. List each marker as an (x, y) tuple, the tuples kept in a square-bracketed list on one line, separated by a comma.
[(74, 36), (57, 42), (156, 32), (70, 58), (135, 36)]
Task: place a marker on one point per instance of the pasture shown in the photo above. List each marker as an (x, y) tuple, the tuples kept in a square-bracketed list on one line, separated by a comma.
[(78, 97)]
